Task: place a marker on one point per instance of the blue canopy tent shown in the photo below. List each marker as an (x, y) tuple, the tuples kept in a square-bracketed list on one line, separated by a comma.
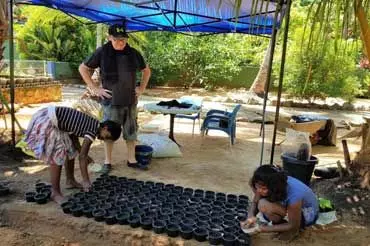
[(190, 16), (195, 17)]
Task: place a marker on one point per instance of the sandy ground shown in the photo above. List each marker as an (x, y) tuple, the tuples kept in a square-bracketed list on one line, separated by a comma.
[(208, 163)]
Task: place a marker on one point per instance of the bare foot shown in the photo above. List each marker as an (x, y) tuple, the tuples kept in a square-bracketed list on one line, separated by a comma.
[(73, 184), (57, 197)]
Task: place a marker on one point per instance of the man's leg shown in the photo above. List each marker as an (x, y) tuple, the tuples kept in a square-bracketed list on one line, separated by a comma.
[(70, 175), (130, 135), (55, 172), (108, 149), (131, 151), (109, 113)]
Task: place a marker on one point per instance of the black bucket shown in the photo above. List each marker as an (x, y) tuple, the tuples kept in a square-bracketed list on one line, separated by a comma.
[(143, 154), (299, 169)]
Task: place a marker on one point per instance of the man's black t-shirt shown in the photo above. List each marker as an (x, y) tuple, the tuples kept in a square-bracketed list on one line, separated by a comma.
[(128, 63)]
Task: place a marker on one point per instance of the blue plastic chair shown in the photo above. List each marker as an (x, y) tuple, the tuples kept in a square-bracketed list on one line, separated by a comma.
[(222, 121), (195, 101)]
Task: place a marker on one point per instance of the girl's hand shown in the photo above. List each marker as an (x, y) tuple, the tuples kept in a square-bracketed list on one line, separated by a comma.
[(249, 222)]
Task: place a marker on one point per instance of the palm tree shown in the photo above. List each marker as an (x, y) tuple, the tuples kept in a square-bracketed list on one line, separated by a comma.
[(3, 30)]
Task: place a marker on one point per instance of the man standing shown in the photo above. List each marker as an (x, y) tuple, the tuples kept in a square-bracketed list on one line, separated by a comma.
[(118, 63)]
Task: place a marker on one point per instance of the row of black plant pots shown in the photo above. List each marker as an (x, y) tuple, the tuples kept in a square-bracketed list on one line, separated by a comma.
[(164, 208), (186, 228), (122, 184), (41, 195)]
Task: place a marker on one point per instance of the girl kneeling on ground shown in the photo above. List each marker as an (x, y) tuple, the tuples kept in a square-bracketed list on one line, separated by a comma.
[(286, 202), (52, 135)]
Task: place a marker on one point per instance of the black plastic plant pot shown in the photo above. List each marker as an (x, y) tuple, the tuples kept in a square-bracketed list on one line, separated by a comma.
[(76, 211), (159, 185), (215, 238), (210, 193), (229, 217), (191, 216), (198, 195), (202, 212), (174, 220), (47, 192), (189, 191), (110, 219), (200, 234), (242, 218), (134, 221), (166, 211), (230, 205), (203, 218), (30, 196), (229, 211), (146, 223), (217, 221), (188, 222), (204, 225), (207, 201), (215, 228), (186, 232), (159, 226), (164, 217), (220, 194), (122, 218), (229, 239), (229, 230), (41, 198), (243, 202), (87, 211), (66, 206), (172, 230), (232, 197), (47, 186), (4, 190), (99, 215), (39, 186)]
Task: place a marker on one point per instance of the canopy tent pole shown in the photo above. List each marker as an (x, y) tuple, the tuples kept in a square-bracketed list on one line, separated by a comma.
[(267, 85), (11, 66), (281, 77)]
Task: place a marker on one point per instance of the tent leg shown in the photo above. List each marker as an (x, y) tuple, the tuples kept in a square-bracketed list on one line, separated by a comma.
[(281, 77)]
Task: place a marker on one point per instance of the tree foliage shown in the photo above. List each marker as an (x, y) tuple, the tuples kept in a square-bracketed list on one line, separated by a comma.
[(51, 35), (206, 61), (325, 67)]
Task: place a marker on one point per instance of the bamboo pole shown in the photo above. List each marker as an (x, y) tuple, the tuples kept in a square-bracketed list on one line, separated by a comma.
[(364, 26)]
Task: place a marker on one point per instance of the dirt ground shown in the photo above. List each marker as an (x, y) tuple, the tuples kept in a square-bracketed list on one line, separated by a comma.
[(207, 163)]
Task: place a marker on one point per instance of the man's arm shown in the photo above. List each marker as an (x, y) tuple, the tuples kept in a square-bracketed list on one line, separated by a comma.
[(145, 76), (85, 72)]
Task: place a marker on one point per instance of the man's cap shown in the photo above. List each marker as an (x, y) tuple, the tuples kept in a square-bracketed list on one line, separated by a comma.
[(118, 31)]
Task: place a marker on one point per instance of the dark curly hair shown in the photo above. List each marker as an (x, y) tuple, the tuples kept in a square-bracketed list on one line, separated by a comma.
[(113, 127), (274, 178)]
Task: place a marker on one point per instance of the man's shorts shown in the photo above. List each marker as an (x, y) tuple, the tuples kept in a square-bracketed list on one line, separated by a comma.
[(124, 115)]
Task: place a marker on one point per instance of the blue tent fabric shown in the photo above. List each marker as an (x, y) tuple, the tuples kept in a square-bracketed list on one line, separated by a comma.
[(191, 16)]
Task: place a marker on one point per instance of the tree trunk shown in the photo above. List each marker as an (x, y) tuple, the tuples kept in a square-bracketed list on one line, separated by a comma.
[(364, 26), (259, 83), (3, 30)]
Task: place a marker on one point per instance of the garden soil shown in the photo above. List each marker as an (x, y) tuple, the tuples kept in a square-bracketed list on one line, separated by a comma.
[(208, 163)]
